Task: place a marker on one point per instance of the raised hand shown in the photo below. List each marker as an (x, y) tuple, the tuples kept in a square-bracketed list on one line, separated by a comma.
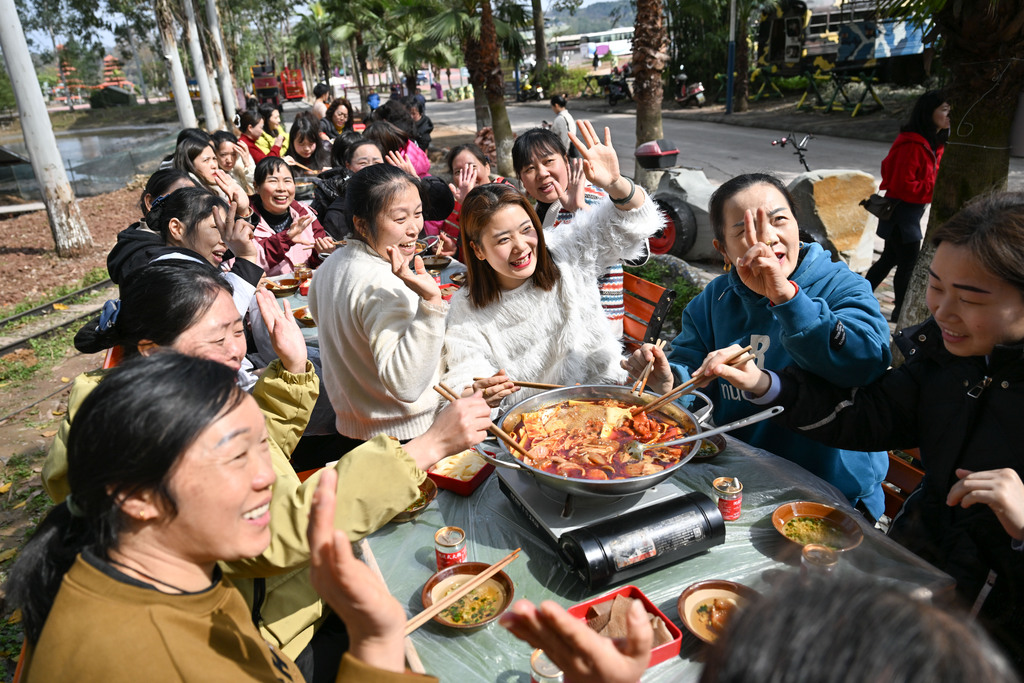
[(661, 379), (418, 280), (297, 229), (243, 153), (573, 197), (1001, 490), (285, 336), (465, 180), (233, 190), (579, 651), (401, 161), (236, 234), (759, 267), (374, 619)]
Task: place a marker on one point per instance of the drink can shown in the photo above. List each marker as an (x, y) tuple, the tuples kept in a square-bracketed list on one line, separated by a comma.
[(304, 287), (449, 547), (542, 669), (730, 497)]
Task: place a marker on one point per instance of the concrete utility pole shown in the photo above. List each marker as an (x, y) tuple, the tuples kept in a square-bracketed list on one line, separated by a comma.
[(199, 66), (179, 86), (228, 99), (70, 233)]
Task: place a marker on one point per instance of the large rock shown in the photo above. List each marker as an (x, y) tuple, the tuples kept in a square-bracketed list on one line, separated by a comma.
[(828, 208)]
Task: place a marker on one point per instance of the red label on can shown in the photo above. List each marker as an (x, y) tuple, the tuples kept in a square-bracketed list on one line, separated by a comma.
[(730, 508), (304, 288), (445, 560)]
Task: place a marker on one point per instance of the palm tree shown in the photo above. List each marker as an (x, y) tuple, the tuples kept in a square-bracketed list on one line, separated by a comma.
[(313, 33), (648, 63)]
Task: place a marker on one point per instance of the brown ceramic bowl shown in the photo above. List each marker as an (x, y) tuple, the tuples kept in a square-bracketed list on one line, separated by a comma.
[(303, 317), (441, 582), (283, 287), (851, 531), (458, 278), (428, 492), (699, 594), (436, 262), (710, 448)]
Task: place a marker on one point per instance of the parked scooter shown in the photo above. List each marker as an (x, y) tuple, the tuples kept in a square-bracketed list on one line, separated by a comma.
[(616, 85), (689, 95), (528, 91)]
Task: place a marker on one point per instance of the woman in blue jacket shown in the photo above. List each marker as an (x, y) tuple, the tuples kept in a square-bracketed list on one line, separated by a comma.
[(793, 305)]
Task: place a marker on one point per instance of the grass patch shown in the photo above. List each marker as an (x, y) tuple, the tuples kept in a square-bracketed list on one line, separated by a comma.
[(41, 354), (661, 274), (92, 277)]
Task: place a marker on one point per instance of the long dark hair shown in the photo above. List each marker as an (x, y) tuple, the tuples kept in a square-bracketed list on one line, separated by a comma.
[(158, 302), (921, 119), (247, 119), (126, 439), (390, 137), (185, 155), (159, 183), (397, 114), (190, 205), (478, 209), (306, 127)]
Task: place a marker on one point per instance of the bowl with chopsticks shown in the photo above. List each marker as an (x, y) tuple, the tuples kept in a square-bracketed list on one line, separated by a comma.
[(480, 607), (282, 287), (428, 492)]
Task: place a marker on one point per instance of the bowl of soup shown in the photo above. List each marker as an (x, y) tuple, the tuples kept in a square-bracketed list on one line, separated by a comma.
[(303, 316), (706, 607), (283, 286), (805, 522), (481, 606), (427, 494)]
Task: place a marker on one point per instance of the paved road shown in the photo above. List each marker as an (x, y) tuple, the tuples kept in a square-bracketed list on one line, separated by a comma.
[(721, 150)]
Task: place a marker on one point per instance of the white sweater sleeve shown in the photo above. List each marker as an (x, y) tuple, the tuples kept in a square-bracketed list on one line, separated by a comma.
[(604, 235), (405, 343), (467, 353)]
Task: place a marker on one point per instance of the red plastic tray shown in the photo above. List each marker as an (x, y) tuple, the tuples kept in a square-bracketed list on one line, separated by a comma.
[(463, 488), (658, 654)]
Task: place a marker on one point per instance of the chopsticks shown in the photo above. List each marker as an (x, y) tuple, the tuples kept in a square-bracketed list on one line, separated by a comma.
[(494, 429), (641, 382), (528, 385), (740, 357), (459, 593)]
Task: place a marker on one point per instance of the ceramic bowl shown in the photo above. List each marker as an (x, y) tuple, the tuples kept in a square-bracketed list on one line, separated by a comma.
[(851, 531), (428, 492), (439, 583), (283, 287), (697, 595)]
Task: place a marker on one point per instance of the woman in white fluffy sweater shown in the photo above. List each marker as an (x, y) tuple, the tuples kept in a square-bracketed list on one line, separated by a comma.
[(530, 310)]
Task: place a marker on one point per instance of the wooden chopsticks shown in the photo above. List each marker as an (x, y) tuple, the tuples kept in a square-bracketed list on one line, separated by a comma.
[(736, 359), (494, 429), (528, 385), (459, 593), (641, 382)]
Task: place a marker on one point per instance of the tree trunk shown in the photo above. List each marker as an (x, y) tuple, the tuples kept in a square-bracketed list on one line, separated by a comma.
[(228, 99), (741, 101), (410, 82), (474, 51), (648, 64), (70, 233), (195, 49), (494, 86), (325, 59), (539, 41), (176, 74), (218, 103)]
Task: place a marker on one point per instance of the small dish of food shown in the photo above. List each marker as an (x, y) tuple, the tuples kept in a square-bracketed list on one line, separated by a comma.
[(710, 447), (458, 278), (421, 246), (805, 522), (282, 286), (428, 492), (480, 607), (434, 262), (303, 316), (606, 614), (461, 473), (706, 606)]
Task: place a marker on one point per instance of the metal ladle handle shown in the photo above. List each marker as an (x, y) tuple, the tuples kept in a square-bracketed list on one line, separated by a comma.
[(749, 420)]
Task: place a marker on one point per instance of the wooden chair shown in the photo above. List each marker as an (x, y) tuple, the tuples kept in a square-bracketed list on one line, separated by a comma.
[(901, 480), (646, 305), (113, 358)]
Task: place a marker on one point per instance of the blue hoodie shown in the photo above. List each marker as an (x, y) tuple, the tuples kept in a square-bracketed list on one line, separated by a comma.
[(832, 327)]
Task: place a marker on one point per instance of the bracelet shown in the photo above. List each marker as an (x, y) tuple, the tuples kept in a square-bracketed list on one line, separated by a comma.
[(628, 197)]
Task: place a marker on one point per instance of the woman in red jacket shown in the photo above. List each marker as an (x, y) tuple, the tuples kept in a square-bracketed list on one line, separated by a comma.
[(250, 123), (908, 174)]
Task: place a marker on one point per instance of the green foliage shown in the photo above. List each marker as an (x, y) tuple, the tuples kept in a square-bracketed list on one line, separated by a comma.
[(698, 36), (557, 79), (92, 277), (659, 273), (795, 83), (7, 101)]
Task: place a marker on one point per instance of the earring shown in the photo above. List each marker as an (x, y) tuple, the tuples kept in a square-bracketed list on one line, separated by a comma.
[(727, 266), (143, 516)]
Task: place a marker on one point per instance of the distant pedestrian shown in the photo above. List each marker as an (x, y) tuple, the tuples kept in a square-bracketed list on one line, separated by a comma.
[(564, 123), (908, 174), (321, 94), (422, 125)]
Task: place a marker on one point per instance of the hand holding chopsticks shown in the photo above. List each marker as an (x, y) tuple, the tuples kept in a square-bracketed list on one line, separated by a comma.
[(641, 382), (494, 429), (738, 358), (459, 593)]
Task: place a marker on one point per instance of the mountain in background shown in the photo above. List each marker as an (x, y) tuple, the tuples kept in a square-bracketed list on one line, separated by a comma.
[(595, 17)]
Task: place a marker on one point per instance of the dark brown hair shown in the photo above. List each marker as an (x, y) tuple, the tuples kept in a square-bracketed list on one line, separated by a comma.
[(732, 187), (991, 227), (333, 106), (477, 211)]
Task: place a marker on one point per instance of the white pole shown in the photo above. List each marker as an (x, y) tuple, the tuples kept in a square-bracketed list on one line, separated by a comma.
[(199, 66), (179, 86), (70, 233), (228, 99)]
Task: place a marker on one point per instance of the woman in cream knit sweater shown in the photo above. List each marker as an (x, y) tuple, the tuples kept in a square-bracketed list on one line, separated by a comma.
[(530, 310)]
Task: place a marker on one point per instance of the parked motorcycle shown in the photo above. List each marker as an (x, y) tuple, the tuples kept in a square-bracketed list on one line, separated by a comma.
[(616, 86), (528, 91), (689, 94)]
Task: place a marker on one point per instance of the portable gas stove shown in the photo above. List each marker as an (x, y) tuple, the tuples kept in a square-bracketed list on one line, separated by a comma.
[(606, 539)]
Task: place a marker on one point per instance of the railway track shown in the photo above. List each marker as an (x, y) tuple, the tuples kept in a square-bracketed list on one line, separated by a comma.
[(45, 309)]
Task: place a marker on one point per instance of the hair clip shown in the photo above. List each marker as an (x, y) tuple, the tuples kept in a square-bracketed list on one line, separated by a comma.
[(158, 200), (108, 316)]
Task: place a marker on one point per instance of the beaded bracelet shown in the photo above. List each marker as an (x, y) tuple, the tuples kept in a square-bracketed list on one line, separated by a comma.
[(628, 197)]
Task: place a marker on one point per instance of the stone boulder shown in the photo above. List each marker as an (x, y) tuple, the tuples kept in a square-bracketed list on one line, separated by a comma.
[(828, 209)]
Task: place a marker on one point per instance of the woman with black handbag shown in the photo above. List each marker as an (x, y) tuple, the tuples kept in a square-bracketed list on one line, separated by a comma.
[(908, 176)]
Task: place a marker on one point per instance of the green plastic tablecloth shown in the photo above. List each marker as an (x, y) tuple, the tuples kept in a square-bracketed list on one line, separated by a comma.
[(754, 554)]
